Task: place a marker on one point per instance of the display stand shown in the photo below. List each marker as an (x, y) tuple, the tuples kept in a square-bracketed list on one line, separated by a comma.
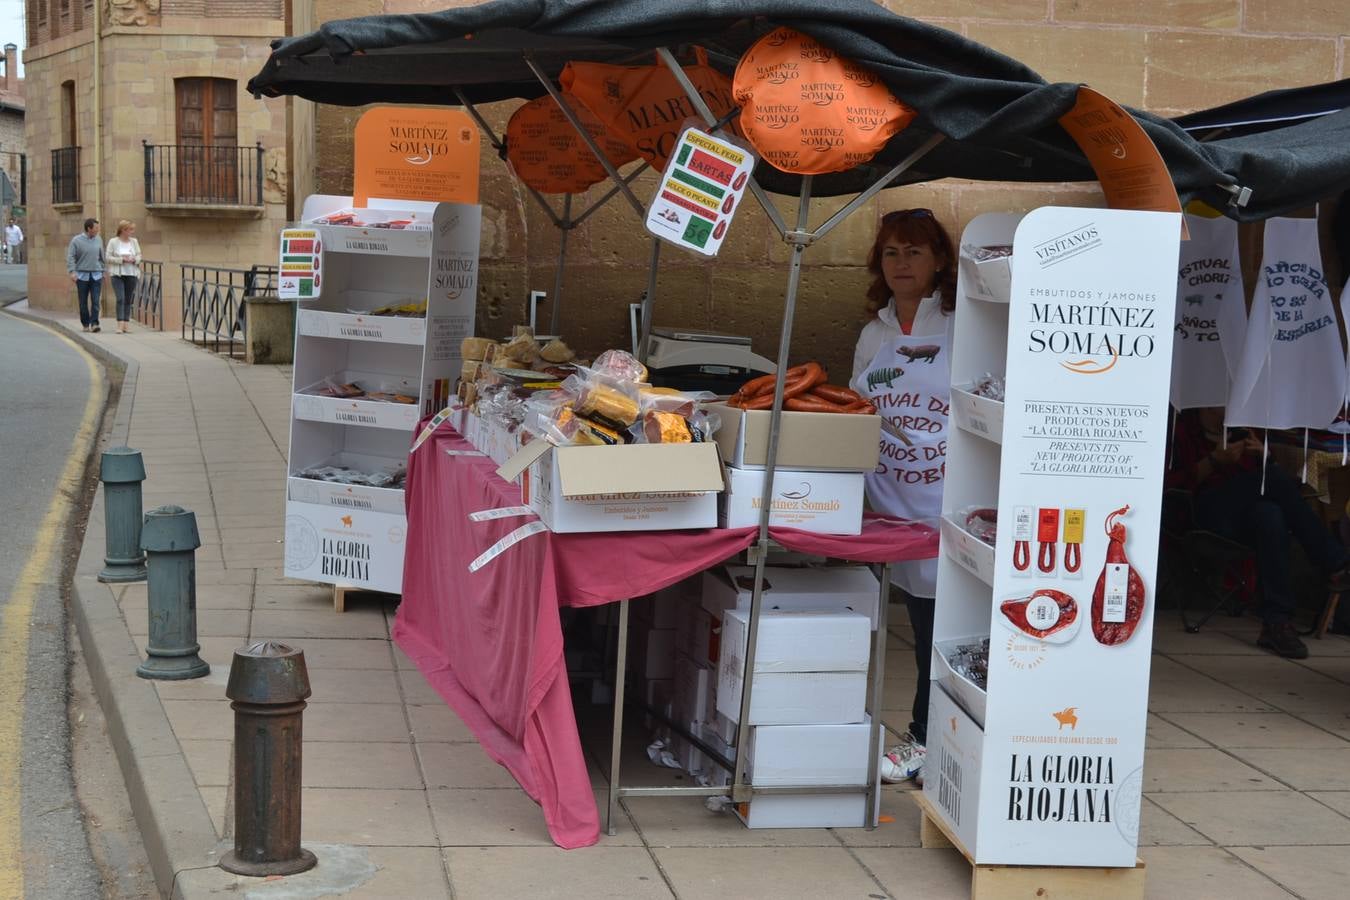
[(1037, 779), (351, 535)]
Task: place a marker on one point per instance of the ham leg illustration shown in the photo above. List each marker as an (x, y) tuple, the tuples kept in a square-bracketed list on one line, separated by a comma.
[(1118, 601), (1016, 608)]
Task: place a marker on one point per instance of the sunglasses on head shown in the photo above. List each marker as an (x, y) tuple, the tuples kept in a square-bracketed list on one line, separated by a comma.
[(908, 214)]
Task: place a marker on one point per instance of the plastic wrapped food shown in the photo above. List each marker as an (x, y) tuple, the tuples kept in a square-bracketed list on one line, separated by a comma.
[(980, 521), (666, 428), (620, 365), (345, 391), (593, 433), (608, 404), (990, 386), (555, 351), (391, 478), (971, 661), (986, 253)]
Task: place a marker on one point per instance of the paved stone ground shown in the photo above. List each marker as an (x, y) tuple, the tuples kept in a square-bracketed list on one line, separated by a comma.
[(1248, 768)]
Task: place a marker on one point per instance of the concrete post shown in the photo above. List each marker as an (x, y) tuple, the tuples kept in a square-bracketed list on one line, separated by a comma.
[(122, 470), (169, 538), (268, 686)]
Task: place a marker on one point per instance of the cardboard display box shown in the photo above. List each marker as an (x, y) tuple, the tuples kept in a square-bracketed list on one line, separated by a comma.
[(824, 502), (799, 641), (794, 698), (631, 487), (809, 754), (825, 589), (807, 441)]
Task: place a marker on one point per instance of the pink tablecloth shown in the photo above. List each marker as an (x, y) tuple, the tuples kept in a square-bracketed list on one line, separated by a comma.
[(490, 642)]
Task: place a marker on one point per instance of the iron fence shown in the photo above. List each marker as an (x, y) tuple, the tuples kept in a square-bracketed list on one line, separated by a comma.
[(191, 174), (213, 303), (66, 175), (148, 302)]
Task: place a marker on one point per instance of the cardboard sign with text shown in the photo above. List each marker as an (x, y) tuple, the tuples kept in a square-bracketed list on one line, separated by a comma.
[(1089, 352), (300, 276), (411, 153), (700, 192)]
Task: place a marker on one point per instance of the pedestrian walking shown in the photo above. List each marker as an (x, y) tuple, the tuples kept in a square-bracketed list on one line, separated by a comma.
[(124, 270), (84, 262), (13, 238)]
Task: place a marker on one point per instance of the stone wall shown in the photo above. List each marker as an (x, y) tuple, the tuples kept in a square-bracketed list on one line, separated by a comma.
[(140, 64), (1166, 56)]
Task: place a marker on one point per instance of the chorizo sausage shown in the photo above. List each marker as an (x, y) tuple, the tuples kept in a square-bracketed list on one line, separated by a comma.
[(811, 403), (837, 394)]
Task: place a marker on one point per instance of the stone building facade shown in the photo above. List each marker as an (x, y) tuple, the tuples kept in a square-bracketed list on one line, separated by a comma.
[(1165, 56), (12, 158), (162, 133)]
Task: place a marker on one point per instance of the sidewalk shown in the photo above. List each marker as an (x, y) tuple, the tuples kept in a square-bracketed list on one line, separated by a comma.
[(1247, 777)]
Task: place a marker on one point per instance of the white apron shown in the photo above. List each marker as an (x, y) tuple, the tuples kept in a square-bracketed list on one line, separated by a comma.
[(1292, 373), (1342, 423), (909, 379), (1211, 316)]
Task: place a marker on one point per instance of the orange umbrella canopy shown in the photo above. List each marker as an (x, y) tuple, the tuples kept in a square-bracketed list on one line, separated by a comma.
[(549, 155), (807, 110), (644, 105)]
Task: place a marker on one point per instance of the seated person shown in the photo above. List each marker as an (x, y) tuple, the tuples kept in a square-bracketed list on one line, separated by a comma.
[(1226, 483)]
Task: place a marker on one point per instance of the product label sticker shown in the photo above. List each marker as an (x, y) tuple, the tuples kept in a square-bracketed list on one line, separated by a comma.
[(505, 544), (1117, 590), (504, 512), (1047, 531), (1022, 523), (1042, 612), (1074, 520)]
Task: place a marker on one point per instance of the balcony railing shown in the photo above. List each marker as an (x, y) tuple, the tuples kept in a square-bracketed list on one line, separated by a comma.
[(202, 175), (148, 302), (66, 175)]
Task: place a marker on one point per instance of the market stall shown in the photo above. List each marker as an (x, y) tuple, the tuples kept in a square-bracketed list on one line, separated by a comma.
[(994, 119)]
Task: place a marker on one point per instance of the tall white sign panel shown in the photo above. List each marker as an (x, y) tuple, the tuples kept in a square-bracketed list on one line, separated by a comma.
[(1058, 767)]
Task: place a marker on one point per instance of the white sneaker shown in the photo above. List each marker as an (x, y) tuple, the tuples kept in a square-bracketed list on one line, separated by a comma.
[(903, 761)]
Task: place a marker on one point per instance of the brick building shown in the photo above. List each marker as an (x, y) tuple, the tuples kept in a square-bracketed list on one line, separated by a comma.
[(12, 158), (145, 118), (1165, 56)]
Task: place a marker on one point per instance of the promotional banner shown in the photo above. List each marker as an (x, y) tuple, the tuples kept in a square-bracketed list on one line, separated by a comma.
[(1211, 317), (1292, 371), (547, 153), (414, 153), (1080, 488), (700, 191)]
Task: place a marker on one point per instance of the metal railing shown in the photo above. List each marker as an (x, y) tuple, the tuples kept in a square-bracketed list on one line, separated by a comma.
[(148, 302), (66, 175), (213, 303), (198, 174)]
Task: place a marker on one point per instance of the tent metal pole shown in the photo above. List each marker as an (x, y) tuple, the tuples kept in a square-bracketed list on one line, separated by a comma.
[(555, 314), (582, 130), (616, 736), (741, 791), (648, 302), (500, 147), (702, 107), (628, 179), (874, 700), (878, 185)]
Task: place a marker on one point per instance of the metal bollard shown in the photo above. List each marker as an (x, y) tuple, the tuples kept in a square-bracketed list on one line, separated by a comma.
[(121, 470), (268, 686), (169, 538)]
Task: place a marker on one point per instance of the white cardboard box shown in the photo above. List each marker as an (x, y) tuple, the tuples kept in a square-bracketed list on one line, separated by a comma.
[(824, 502), (809, 754), (632, 487), (808, 441), (794, 698), (805, 811), (830, 588), (836, 641)]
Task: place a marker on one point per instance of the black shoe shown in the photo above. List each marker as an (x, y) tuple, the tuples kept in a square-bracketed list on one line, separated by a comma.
[(95, 329), (1282, 640)]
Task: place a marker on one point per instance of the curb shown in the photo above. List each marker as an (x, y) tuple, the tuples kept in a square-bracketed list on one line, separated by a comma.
[(175, 827)]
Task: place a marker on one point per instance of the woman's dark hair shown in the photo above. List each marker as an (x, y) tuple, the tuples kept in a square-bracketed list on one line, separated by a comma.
[(919, 227)]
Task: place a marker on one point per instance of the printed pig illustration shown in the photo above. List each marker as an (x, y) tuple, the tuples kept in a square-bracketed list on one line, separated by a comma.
[(925, 352), (883, 376), (1195, 299)]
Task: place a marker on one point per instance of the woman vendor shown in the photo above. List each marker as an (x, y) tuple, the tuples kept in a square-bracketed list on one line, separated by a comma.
[(902, 364)]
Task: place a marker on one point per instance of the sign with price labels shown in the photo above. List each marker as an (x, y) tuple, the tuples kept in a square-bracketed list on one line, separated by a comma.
[(701, 189)]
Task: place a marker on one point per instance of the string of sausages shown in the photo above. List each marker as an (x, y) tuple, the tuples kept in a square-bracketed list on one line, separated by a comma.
[(805, 389)]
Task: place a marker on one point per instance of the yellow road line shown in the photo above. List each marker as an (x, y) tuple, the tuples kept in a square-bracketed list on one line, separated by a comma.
[(16, 622)]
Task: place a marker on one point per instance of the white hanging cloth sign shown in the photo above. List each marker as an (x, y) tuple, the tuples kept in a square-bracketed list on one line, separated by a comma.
[(1211, 316), (1342, 423), (1292, 373)]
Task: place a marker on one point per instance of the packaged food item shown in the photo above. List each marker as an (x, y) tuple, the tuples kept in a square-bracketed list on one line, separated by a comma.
[(475, 348), (620, 365), (609, 404), (987, 253), (980, 521), (1118, 599), (666, 428), (990, 386), (555, 351), (805, 389), (588, 432), (1042, 613), (971, 661)]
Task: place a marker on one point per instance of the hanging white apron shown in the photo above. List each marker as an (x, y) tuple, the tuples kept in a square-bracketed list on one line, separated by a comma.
[(1292, 373), (910, 382), (1211, 316), (1342, 423)]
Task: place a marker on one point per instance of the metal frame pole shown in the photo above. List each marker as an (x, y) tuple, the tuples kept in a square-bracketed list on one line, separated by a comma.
[(702, 108), (874, 701), (555, 314), (648, 303), (500, 147), (741, 792), (616, 736), (879, 185), (581, 130)]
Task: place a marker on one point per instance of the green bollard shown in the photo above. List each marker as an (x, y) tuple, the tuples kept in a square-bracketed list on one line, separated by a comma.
[(121, 470), (169, 539)]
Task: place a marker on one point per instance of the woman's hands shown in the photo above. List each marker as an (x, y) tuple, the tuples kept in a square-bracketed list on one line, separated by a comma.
[(1234, 452)]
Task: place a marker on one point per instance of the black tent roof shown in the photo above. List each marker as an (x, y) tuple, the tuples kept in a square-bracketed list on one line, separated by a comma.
[(1001, 118)]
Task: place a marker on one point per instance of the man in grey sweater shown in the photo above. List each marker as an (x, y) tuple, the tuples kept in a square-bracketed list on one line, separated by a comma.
[(84, 262)]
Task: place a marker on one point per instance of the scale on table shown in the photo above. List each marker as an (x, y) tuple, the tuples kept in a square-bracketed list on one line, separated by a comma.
[(693, 360)]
